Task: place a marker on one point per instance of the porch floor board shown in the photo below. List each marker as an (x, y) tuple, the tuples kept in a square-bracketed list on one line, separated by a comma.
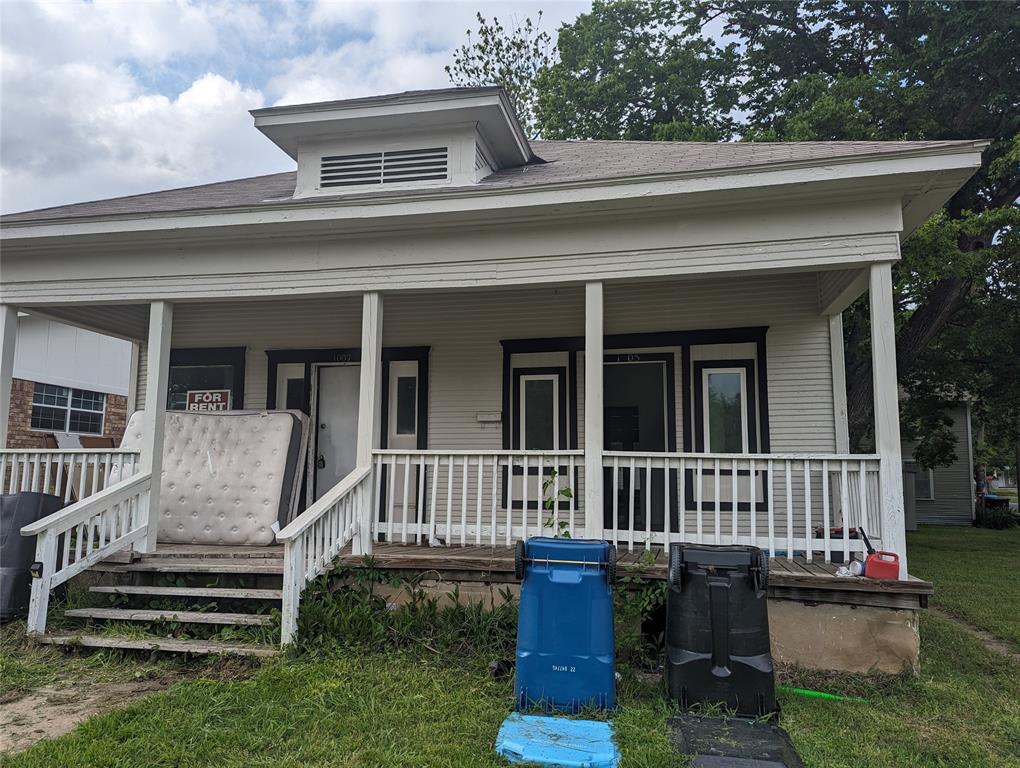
[(790, 579)]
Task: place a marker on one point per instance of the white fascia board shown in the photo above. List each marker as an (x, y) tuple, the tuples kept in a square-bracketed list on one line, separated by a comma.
[(902, 174), (288, 127)]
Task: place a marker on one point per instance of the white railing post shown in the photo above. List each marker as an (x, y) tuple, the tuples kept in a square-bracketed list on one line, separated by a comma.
[(838, 362), (593, 427), (887, 419), (369, 409), (8, 339), (161, 314), (293, 582), (45, 553)]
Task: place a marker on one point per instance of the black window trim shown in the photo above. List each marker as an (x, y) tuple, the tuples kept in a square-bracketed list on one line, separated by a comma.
[(199, 356)]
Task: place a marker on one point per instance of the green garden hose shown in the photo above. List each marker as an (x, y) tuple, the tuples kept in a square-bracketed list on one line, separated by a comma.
[(820, 694)]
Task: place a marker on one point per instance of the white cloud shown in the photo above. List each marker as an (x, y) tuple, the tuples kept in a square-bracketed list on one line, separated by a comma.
[(399, 45), (108, 98)]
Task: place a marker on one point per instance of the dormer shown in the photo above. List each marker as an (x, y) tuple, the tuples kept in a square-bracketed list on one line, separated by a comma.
[(420, 139)]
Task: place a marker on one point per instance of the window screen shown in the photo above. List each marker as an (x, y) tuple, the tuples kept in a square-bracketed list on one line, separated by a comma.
[(539, 414), (725, 411), (407, 405)]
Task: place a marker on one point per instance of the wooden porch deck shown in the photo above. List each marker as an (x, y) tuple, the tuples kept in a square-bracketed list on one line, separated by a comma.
[(796, 579)]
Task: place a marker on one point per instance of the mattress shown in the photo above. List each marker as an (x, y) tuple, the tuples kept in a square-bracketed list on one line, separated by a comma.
[(229, 477)]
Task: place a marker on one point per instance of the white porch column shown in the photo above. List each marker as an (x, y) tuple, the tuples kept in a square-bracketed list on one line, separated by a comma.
[(887, 411), (8, 338), (161, 316), (369, 407), (839, 407), (593, 411)]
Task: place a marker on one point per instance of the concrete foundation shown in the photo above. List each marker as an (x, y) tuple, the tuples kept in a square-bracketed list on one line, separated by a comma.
[(825, 636), (844, 638)]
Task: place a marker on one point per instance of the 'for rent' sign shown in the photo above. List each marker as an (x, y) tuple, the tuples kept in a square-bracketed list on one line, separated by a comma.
[(208, 400)]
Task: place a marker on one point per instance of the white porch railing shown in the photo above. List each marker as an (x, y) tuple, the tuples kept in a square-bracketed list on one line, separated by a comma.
[(82, 534), (316, 536), (785, 503), (70, 473), (476, 497)]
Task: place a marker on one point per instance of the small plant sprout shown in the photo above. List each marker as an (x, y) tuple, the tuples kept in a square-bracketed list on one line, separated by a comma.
[(552, 493)]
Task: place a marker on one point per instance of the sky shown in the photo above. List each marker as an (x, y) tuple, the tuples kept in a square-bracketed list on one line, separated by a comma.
[(100, 99)]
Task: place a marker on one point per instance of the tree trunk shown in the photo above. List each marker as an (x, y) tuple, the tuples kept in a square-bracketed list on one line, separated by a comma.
[(944, 300)]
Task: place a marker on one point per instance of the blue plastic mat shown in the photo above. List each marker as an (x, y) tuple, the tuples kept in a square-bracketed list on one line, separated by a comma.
[(557, 741)]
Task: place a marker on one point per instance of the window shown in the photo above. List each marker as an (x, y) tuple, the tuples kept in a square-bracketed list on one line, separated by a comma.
[(62, 409), (407, 405), (186, 378), (924, 481), (539, 413), (204, 370), (725, 410)]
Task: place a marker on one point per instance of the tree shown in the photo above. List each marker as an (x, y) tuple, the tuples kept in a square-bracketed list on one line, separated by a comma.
[(889, 71), (510, 58), (638, 69), (822, 70)]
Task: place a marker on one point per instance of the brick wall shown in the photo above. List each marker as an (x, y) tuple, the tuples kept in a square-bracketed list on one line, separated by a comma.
[(19, 430)]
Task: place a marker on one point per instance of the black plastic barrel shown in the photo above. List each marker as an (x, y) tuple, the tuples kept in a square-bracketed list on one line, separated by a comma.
[(717, 629), (17, 552)]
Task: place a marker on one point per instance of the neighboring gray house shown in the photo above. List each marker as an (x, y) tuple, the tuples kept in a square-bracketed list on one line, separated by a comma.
[(465, 314), (945, 495)]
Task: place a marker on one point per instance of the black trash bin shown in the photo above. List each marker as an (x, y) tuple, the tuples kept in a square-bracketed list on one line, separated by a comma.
[(717, 629), (17, 552)]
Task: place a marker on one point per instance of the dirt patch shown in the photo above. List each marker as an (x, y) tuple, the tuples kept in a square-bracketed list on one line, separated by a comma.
[(55, 709), (987, 639), (49, 712)]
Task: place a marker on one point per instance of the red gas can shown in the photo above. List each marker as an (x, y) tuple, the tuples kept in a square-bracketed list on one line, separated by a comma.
[(882, 565)]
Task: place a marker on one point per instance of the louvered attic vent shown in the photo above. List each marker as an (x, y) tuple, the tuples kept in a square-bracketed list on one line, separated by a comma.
[(393, 167)]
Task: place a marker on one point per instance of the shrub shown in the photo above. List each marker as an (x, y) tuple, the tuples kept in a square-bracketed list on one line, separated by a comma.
[(997, 517)]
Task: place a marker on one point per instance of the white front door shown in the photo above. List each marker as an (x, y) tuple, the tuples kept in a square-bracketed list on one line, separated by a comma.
[(336, 431)]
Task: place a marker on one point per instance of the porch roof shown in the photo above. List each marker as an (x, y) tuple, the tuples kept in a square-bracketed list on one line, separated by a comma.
[(559, 163)]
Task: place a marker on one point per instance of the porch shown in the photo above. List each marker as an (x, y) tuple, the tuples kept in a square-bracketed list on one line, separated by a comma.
[(467, 419)]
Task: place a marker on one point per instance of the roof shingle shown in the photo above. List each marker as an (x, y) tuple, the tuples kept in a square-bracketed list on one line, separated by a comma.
[(565, 162)]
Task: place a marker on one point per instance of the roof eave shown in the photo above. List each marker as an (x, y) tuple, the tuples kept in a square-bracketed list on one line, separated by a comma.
[(945, 175)]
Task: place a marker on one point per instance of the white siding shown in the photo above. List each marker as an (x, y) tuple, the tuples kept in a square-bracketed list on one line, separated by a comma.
[(464, 328), (53, 353), (262, 325), (797, 342)]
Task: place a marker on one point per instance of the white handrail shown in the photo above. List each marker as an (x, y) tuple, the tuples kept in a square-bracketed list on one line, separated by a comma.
[(313, 539), (322, 505), (66, 451), (787, 503), (71, 473), (743, 456), (80, 511), (85, 533), (479, 496)]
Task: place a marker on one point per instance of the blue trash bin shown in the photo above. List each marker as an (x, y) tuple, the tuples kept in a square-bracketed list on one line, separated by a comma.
[(565, 653)]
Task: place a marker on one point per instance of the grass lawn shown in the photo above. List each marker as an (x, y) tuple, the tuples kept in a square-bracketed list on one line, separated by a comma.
[(976, 573), (417, 708), (406, 710)]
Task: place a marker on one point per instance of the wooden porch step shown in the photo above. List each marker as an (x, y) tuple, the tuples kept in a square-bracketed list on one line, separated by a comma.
[(184, 617), (204, 647), (209, 551), (217, 592), (250, 566)]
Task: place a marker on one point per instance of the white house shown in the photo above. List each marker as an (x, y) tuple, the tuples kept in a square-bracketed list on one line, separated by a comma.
[(462, 311), (67, 381)]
